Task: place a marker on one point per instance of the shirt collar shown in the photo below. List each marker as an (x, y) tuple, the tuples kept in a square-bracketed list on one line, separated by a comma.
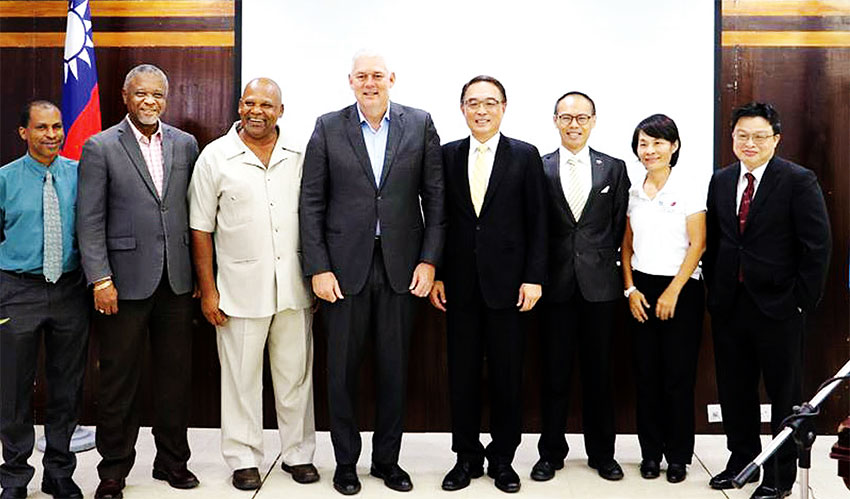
[(583, 156), (237, 146), (757, 172), (492, 143), (363, 116), (39, 166), (140, 136)]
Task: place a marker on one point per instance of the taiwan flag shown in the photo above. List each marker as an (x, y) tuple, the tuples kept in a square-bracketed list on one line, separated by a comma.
[(80, 98)]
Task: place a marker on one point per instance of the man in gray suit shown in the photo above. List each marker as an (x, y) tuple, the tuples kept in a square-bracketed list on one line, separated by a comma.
[(371, 170), (133, 232), (588, 195)]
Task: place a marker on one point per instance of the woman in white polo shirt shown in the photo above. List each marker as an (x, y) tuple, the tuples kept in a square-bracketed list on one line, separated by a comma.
[(662, 246)]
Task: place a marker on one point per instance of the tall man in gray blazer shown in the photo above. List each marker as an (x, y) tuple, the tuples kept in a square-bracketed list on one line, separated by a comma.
[(588, 195), (371, 172), (133, 231)]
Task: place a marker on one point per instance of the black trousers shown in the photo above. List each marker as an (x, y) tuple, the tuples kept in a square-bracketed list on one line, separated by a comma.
[(60, 313), (749, 345), (383, 316), (475, 332), (583, 329), (162, 325), (666, 355)]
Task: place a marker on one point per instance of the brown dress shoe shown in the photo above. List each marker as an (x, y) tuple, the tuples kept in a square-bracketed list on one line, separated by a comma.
[(179, 478), (247, 479), (109, 489), (302, 473)]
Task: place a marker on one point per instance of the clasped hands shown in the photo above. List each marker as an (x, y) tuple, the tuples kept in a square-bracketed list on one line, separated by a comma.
[(326, 287), (529, 294)]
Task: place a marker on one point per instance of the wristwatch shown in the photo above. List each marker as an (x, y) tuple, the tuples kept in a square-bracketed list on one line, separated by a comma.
[(629, 291)]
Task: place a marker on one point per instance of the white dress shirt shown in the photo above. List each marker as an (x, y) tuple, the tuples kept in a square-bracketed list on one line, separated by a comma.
[(583, 168), (742, 182), (490, 155)]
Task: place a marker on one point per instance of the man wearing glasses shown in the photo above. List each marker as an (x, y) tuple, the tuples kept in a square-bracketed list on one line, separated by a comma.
[(767, 252), (588, 195), (494, 266)]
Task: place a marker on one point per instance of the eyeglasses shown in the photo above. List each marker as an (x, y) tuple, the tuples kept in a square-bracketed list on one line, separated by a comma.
[(758, 138), (566, 119), (489, 104)]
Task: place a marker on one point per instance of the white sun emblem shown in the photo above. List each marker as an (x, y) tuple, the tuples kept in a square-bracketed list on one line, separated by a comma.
[(77, 39)]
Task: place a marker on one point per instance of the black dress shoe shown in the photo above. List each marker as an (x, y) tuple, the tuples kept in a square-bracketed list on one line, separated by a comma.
[(610, 470), (544, 469), (723, 480), (345, 479), (459, 477), (14, 493), (505, 477), (393, 476), (63, 488), (179, 478), (649, 469), (765, 492), (302, 473), (676, 472), (109, 489), (247, 479)]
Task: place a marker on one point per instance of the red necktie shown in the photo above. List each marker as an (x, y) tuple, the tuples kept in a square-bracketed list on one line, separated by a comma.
[(746, 200)]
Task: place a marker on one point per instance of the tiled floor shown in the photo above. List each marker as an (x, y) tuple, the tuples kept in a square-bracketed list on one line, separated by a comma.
[(427, 457)]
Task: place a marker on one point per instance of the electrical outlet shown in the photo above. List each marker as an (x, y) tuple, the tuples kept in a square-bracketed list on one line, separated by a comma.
[(714, 414), (765, 413)]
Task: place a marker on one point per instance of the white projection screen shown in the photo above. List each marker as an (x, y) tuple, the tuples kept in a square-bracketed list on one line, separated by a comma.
[(633, 58)]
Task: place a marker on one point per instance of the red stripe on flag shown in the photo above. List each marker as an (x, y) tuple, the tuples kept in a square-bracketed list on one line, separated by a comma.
[(86, 125)]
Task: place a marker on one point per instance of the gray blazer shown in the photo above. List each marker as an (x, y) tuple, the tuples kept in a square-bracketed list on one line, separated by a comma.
[(124, 228), (583, 253), (341, 199)]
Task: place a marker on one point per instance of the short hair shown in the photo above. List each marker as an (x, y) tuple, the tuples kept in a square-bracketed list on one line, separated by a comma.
[(581, 94), (26, 111), (758, 109), (659, 126), (488, 79), (145, 69), (370, 52)]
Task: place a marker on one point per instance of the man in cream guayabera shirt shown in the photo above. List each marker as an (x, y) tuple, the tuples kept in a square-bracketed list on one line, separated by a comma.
[(244, 194)]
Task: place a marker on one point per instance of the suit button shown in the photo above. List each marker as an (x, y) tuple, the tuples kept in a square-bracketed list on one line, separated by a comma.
[(163, 209), (477, 227), (378, 198)]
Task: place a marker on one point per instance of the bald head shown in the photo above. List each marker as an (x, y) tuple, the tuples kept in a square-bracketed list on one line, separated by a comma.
[(259, 109)]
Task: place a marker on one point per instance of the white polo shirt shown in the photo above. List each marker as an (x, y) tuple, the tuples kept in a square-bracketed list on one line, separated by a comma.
[(252, 212), (659, 225)]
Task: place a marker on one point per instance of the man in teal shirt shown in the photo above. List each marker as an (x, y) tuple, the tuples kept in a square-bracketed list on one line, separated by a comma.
[(42, 293)]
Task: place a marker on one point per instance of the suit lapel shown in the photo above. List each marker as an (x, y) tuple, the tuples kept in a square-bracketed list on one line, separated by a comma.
[(728, 188), (597, 179), (552, 167), (167, 157), (768, 182), (500, 164), (131, 147), (394, 136), (355, 137)]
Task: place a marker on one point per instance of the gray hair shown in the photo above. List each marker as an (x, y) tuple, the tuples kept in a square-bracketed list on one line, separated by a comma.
[(145, 69), (369, 52)]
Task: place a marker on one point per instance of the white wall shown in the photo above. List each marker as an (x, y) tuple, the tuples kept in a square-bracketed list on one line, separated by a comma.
[(633, 58)]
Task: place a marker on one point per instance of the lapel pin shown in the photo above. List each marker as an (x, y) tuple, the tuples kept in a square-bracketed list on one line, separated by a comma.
[(598, 161)]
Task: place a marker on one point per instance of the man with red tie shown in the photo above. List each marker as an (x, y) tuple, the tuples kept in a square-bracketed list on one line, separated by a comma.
[(768, 245)]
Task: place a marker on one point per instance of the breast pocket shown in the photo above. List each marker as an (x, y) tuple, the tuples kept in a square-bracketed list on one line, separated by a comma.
[(236, 208)]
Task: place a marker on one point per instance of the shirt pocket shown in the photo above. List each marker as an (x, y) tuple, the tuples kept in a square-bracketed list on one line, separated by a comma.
[(237, 208)]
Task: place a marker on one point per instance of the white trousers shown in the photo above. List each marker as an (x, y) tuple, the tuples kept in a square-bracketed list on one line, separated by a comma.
[(240, 350)]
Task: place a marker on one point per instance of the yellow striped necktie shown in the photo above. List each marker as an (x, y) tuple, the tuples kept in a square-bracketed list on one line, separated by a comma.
[(479, 179)]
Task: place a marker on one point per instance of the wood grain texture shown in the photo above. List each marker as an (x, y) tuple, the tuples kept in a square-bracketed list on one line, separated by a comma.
[(786, 38), (786, 7), (125, 39), (126, 8)]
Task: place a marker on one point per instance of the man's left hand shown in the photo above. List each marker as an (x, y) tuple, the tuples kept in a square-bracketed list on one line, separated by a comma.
[(423, 279), (528, 296)]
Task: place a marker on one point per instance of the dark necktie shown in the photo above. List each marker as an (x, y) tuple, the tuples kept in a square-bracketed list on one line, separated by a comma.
[(52, 263), (746, 201)]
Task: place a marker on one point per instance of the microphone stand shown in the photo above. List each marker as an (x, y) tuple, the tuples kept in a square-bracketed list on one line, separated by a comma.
[(800, 426)]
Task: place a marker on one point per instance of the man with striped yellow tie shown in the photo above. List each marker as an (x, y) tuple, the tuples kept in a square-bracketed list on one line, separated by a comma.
[(493, 269)]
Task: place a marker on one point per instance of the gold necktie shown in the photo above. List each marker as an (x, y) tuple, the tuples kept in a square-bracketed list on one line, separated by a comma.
[(479, 179), (576, 195)]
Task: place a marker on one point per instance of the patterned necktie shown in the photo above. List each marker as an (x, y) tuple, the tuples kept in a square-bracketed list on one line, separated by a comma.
[(478, 180), (746, 200), (52, 263), (577, 195)]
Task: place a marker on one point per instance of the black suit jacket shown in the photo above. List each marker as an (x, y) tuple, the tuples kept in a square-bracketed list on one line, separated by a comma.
[(341, 201), (506, 245), (583, 253), (783, 253)]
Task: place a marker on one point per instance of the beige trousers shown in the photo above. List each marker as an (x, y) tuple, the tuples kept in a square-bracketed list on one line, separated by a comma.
[(240, 350)]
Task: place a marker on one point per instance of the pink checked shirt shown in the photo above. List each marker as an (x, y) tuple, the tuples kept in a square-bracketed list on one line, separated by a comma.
[(152, 152)]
